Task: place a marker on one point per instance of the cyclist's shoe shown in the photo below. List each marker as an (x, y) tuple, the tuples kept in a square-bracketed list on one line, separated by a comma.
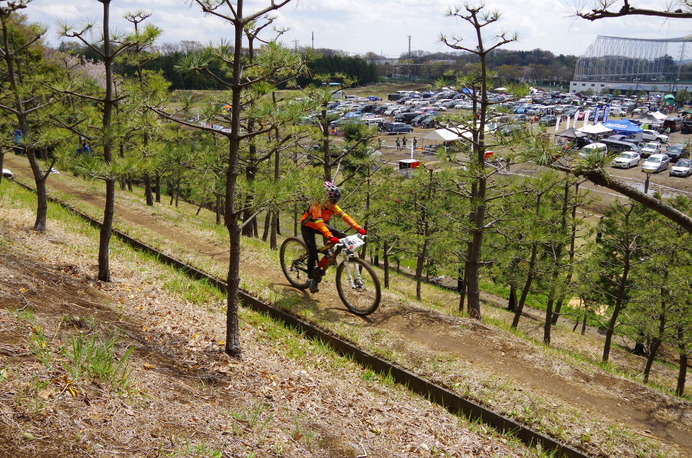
[(312, 285)]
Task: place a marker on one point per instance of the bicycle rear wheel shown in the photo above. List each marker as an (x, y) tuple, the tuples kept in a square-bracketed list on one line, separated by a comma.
[(358, 286), (294, 261)]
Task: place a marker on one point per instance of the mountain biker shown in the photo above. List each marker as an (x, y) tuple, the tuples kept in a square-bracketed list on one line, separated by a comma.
[(314, 221)]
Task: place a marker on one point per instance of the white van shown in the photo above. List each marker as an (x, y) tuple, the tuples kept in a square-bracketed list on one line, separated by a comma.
[(593, 150)]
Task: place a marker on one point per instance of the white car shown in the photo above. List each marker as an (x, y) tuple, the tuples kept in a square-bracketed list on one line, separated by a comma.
[(656, 163), (650, 149), (626, 160), (7, 173), (594, 151), (464, 106), (682, 168), (651, 135)]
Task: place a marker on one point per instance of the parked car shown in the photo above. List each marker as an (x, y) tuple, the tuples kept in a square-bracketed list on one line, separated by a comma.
[(384, 126), (391, 111), (686, 127), (374, 121), (673, 123), (593, 150), (510, 130), (406, 117), (548, 120), (398, 128), (7, 173), (623, 138), (617, 111), (651, 135), (677, 151), (464, 106), (626, 160), (682, 168), (618, 146), (655, 163), (415, 121), (650, 149), (600, 115), (428, 122)]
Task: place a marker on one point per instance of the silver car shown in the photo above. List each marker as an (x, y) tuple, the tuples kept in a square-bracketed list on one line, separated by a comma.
[(655, 163)]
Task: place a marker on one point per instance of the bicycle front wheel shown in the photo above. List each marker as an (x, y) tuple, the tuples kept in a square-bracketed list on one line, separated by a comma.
[(358, 286), (294, 261)]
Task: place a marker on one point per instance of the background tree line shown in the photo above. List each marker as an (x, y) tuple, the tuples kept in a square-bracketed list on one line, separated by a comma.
[(536, 66), (168, 57), (508, 67)]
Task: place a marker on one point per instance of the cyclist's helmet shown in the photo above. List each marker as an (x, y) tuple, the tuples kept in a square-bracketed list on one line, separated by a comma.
[(333, 193)]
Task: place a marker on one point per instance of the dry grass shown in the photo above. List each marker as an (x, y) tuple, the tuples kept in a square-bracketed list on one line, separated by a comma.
[(559, 389), (184, 397)]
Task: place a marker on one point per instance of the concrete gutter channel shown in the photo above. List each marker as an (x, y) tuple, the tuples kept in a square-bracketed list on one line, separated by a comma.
[(454, 403)]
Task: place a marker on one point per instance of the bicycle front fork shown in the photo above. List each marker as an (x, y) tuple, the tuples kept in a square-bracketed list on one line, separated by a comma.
[(353, 275)]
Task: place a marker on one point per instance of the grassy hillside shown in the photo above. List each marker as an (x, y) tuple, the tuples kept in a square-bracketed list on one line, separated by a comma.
[(561, 390)]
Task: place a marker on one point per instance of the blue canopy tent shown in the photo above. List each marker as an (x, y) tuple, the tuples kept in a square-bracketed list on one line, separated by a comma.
[(623, 126)]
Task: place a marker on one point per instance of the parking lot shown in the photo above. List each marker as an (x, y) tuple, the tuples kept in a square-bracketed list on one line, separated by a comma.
[(388, 111)]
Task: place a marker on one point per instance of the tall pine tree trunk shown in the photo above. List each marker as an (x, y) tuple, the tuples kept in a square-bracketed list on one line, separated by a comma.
[(105, 233), (158, 187), (108, 105), (13, 80), (527, 286), (385, 262), (682, 362), (619, 303)]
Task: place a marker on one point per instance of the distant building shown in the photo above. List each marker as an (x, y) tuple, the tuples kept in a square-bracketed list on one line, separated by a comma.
[(634, 64)]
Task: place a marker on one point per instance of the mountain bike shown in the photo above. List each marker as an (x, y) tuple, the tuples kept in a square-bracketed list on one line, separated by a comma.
[(356, 281)]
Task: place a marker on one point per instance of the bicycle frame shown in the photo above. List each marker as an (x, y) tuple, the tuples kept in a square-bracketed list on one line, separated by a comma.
[(348, 245)]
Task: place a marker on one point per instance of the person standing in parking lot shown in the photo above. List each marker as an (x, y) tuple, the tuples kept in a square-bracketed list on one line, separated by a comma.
[(398, 144), (404, 142)]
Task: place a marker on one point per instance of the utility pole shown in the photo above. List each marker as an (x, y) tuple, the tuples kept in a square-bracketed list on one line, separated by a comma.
[(313, 40), (409, 46)]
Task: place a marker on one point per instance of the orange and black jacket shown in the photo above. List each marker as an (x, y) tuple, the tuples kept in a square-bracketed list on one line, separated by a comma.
[(320, 213)]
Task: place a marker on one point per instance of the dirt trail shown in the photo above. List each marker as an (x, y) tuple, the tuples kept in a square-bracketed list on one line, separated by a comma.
[(429, 334)]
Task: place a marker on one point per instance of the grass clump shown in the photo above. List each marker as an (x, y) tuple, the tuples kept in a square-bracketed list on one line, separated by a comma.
[(95, 358)]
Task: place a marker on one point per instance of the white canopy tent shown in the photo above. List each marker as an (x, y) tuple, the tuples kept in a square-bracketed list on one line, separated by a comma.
[(447, 135), (594, 129)]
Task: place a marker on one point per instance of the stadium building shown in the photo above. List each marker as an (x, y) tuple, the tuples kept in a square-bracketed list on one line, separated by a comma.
[(634, 64)]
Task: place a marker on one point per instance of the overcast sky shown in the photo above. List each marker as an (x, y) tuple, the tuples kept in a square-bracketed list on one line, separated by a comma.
[(380, 26)]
